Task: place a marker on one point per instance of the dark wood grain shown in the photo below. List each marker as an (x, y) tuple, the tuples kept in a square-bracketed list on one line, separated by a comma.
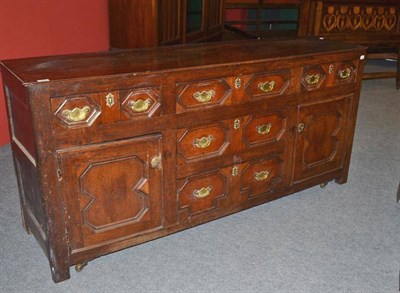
[(118, 153)]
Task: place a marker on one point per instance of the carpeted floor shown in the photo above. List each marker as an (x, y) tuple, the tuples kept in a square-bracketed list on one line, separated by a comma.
[(344, 238)]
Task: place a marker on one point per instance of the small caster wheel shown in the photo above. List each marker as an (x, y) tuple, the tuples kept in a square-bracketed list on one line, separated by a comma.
[(323, 185), (79, 267)]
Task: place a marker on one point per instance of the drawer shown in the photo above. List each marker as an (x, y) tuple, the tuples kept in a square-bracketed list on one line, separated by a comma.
[(203, 94), (268, 84), (230, 141), (227, 187), (327, 75), (314, 77), (140, 103), (261, 176), (345, 72), (201, 194), (263, 129), (204, 142), (86, 110), (76, 111)]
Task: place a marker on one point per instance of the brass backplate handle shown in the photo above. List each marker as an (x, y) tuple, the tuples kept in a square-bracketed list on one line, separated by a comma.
[(266, 86), (345, 73), (313, 79), (203, 142), (260, 176), (203, 192), (204, 96), (139, 105), (264, 129), (77, 114)]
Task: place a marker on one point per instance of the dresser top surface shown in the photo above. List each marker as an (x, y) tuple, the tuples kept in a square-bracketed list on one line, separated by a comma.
[(145, 61)]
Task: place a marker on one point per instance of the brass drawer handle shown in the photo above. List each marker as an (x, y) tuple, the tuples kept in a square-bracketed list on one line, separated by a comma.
[(260, 176), (203, 142), (203, 192), (264, 129), (313, 79), (139, 105), (345, 73), (77, 114), (204, 96), (266, 86)]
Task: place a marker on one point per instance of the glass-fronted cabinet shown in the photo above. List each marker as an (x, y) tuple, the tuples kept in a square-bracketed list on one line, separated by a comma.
[(194, 15), (152, 23)]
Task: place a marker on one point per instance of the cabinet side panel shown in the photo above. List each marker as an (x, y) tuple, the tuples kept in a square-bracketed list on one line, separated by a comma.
[(25, 156), (19, 115)]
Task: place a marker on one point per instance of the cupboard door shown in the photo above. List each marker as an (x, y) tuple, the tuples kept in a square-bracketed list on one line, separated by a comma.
[(321, 137), (112, 190)]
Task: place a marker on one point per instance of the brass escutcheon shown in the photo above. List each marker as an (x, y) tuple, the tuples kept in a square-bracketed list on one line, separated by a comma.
[(313, 79), (266, 86), (203, 142), (203, 192), (236, 124), (345, 73), (238, 83), (235, 171), (264, 129), (77, 114), (204, 96), (110, 100), (331, 69), (260, 176), (139, 105)]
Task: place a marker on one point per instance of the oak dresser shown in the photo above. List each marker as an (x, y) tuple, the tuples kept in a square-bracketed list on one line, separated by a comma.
[(118, 148)]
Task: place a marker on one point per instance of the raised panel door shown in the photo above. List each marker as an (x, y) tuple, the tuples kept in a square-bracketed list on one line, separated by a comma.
[(111, 190), (321, 137)]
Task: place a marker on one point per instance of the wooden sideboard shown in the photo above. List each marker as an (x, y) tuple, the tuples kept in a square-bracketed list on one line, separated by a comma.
[(116, 149), (152, 23), (372, 23)]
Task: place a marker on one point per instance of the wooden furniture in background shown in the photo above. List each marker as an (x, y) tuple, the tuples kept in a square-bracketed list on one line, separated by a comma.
[(116, 149), (375, 24), (262, 25), (151, 23)]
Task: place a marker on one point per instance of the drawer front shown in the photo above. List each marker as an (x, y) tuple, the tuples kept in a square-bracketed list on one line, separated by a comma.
[(202, 194), (204, 142), (345, 72), (326, 75), (89, 110), (268, 84), (203, 94), (76, 111), (111, 190), (264, 129), (140, 103), (314, 77), (261, 176)]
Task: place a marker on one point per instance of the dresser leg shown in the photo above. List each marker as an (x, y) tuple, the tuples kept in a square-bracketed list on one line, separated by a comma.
[(59, 274), (59, 270)]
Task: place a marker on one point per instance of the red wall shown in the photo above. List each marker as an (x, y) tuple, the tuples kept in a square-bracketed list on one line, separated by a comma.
[(49, 27)]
